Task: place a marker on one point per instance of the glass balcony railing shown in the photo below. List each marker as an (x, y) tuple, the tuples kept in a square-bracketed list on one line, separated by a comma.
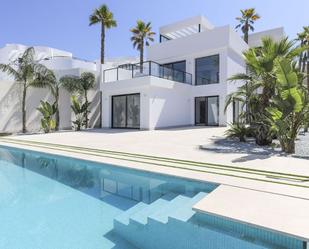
[(147, 68)]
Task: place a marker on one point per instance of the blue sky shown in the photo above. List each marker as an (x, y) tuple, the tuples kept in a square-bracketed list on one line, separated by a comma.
[(63, 24)]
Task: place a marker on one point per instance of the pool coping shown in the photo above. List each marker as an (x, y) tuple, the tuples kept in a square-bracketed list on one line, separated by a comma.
[(283, 190)]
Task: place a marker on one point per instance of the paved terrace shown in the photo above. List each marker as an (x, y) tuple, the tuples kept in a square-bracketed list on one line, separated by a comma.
[(246, 172)]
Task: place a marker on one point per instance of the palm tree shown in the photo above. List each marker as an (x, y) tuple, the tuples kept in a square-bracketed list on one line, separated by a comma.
[(103, 16), (260, 63), (81, 85), (50, 80), (246, 21), (142, 35), (27, 72)]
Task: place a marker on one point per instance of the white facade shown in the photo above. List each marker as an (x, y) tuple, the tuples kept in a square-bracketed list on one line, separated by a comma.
[(169, 103)]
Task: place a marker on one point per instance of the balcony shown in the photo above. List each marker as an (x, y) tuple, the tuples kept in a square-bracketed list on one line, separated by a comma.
[(147, 68)]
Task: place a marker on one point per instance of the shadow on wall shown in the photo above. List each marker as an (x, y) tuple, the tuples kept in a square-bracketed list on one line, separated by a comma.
[(95, 107), (10, 107)]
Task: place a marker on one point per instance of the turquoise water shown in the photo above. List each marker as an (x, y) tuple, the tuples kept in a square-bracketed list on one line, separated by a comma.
[(54, 202)]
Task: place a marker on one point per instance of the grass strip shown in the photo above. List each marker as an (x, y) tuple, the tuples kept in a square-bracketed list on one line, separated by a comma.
[(176, 167), (179, 161)]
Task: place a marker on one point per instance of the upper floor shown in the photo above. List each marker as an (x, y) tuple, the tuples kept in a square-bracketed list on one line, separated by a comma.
[(193, 51)]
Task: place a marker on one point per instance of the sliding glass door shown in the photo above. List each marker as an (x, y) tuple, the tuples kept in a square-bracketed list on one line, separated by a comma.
[(207, 111), (126, 111)]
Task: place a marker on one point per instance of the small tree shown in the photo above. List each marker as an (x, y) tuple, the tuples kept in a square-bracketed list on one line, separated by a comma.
[(27, 72), (80, 85), (79, 112), (289, 105)]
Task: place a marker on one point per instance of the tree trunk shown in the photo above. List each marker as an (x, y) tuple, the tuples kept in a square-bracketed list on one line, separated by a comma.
[(246, 33), (290, 147), (102, 42), (57, 115), (262, 136), (305, 58), (24, 128), (141, 57), (86, 112), (308, 69)]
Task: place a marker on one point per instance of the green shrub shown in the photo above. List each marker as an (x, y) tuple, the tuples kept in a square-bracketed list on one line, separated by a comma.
[(238, 130), (48, 123)]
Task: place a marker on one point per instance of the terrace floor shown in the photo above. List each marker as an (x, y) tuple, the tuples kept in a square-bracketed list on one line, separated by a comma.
[(208, 156)]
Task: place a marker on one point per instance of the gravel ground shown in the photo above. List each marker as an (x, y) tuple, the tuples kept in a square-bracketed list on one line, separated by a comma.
[(302, 145)]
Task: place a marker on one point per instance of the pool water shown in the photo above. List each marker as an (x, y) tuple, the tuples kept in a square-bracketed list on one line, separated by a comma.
[(55, 202)]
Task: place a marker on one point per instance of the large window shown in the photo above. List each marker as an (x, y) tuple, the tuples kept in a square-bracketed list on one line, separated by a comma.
[(207, 70), (126, 111)]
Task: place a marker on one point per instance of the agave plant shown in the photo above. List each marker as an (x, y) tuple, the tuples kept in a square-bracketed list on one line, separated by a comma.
[(237, 130), (48, 123), (79, 112)]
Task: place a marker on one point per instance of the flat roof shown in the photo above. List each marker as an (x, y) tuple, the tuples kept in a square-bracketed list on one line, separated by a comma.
[(186, 27)]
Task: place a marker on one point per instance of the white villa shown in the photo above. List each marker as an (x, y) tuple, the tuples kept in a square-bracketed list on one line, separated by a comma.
[(184, 80)]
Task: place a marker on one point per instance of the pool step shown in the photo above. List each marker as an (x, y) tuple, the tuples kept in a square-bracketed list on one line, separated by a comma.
[(117, 242), (167, 224)]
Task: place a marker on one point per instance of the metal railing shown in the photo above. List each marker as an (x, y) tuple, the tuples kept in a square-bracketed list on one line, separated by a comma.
[(147, 68)]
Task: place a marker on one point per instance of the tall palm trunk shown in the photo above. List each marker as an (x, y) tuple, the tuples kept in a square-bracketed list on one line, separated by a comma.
[(308, 69), (23, 108), (102, 42), (86, 112), (57, 115), (141, 57), (246, 33)]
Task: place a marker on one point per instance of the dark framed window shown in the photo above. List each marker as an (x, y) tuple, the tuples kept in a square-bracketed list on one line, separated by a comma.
[(207, 70), (207, 110), (126, 111)]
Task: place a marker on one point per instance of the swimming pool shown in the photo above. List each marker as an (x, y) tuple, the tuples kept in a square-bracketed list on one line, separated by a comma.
[(56, 202)]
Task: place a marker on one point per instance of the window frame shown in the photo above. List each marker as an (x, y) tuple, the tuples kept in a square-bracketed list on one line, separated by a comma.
[(195, 71)]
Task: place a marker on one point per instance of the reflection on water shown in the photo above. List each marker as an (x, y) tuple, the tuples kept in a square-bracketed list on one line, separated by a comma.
[(102, 180)]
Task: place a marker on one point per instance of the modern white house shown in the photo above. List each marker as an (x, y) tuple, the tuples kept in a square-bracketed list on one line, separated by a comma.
[(184, 80)]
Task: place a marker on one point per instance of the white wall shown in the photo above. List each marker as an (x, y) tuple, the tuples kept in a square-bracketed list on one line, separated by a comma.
[(169, 103)]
